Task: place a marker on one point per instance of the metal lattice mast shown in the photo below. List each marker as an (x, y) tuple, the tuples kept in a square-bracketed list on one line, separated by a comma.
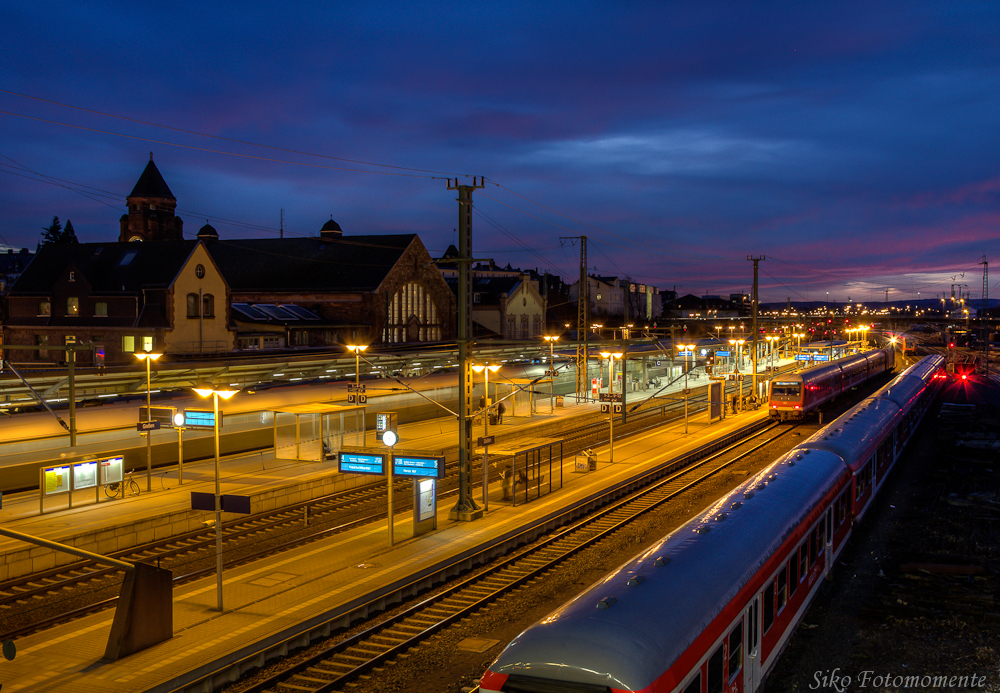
[(466, 507), (582, 319), (984, 329)]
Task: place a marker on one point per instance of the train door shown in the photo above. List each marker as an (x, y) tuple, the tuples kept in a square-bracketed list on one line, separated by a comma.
[(751, 668), (828, 564)]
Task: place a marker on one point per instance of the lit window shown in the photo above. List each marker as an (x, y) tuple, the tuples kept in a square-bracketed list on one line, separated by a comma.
[(101, 308), (72, 276), (147, 343), (128, 344), (72, 306), (70, 339), (44, 308)]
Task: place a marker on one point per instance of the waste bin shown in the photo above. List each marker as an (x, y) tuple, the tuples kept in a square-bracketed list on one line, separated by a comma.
[(493, 418), (559, 400)]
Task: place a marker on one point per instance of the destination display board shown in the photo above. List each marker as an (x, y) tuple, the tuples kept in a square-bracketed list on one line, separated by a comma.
[(413, 466), (360, 463), (198, 418)]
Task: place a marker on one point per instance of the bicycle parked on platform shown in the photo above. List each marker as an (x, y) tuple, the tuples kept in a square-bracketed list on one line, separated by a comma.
[(115, 488)]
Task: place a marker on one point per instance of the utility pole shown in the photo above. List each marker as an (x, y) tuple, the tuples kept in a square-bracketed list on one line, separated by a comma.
[(466, 508), (984, 329), (755, 261), (582, 319)]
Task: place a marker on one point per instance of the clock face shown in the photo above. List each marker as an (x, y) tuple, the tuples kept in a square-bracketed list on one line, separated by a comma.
[(390, 438)]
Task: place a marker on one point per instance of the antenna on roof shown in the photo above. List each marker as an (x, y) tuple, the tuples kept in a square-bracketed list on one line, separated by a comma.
[(281, 225), (151, 156)]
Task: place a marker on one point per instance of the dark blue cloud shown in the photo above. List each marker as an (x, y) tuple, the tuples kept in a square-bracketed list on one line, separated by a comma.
[(853, 143)]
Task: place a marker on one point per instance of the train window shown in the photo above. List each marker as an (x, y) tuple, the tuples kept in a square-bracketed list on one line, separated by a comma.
[(793, 575), (694, 685), (820, 538), (768, 606), (735, 651), (782, 589), (715, 682), (803, 561)]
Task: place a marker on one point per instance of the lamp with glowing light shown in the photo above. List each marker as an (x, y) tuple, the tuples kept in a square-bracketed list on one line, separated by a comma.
[(215, 393), (148, 357)]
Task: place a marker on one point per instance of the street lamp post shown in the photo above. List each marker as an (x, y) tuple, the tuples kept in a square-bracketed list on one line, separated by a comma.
[(552, 371), (688, 350), (148, 356), (738, 343), (357, 349), (215, 393), (611, 356), (771, 339), (486, 369)]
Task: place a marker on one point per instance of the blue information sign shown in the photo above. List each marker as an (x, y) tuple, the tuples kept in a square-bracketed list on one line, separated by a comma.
[(722, 353), (197, 418), (358, 463), (822, 357), (803, 357), (409, 465), (685, 353)]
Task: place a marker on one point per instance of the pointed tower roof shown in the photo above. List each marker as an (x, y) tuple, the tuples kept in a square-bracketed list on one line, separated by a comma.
[(151, 183)]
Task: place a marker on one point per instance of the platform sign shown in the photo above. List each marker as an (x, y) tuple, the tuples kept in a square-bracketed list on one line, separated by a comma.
[(361, 463), (57, 480), (85, 474), (426, 506), (822, 357), (162, 415), (803, 357), (611, 397), (147, 426), (723, 353), (685, 353), (202, 418), (111, 469), (414, 466)]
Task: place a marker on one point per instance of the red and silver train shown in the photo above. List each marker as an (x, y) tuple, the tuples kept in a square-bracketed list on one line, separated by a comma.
[(709, 608), (793, 395)]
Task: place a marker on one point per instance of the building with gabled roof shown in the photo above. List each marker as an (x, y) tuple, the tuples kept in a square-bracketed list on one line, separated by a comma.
[(368, 288), (165, 296)]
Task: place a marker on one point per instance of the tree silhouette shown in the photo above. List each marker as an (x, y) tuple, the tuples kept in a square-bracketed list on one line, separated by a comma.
[(68, 234), (53, 232)]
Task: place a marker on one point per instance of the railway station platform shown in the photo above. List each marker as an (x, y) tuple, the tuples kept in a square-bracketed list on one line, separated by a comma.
[(315, 588)]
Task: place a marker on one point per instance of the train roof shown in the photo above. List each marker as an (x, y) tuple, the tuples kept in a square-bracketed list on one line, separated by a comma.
[(854, 434), (646, 627), (820, 372)]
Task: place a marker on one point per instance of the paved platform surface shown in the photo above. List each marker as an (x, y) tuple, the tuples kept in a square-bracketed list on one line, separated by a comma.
[(267, 600), (241, 474)]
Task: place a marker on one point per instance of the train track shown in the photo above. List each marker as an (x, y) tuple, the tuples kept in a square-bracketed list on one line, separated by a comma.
[(340, 663), (28, 596)]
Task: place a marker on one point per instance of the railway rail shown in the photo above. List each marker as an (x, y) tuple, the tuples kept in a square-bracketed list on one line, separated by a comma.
[(345, 660), (30, 594)]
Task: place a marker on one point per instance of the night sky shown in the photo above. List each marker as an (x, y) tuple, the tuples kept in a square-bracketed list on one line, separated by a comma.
[(854, 144)]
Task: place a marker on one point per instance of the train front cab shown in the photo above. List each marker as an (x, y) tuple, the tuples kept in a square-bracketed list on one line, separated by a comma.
[(785, 402), (748, 646)]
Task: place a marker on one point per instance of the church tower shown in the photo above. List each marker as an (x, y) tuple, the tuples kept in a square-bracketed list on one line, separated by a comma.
[(151, 208)]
